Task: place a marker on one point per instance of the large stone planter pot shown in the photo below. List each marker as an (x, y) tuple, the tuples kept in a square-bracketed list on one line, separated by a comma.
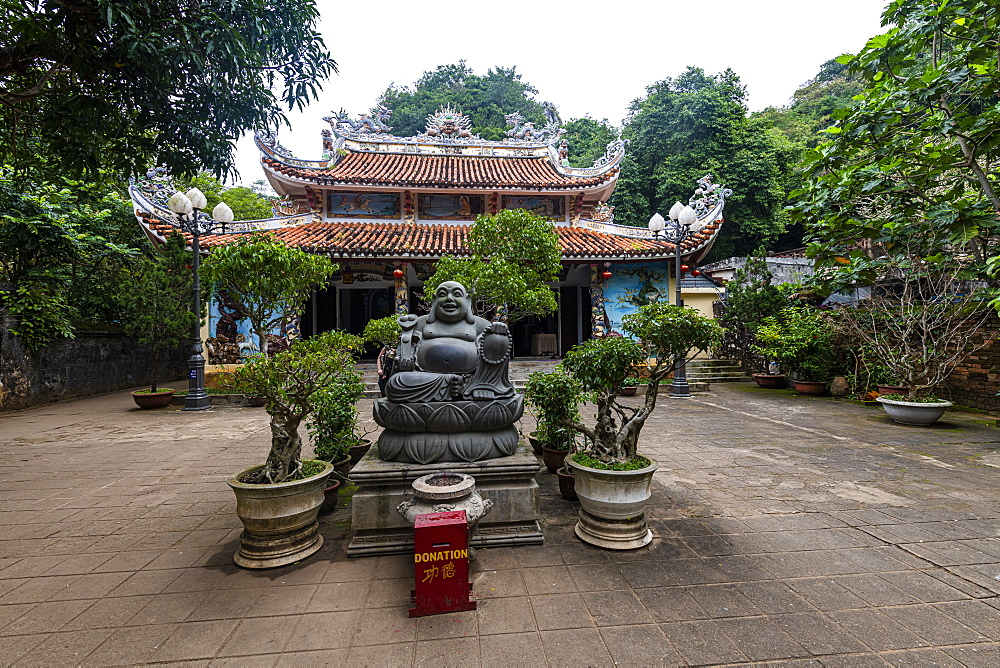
[(553, 458), (150, 400), (911, 412), (771, 382), (279, 521), (810, 387), (613, 505)]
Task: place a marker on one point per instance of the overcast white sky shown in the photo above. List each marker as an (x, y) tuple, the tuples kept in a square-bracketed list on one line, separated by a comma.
[(588, 57)]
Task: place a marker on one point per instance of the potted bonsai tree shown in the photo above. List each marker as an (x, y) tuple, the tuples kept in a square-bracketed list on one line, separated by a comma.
[(279, 500), (800, 339), (921, 319), (556, 398), (158, 297), (612, 479)]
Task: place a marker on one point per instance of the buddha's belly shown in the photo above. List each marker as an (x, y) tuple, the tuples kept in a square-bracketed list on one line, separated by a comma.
[(445, 355)]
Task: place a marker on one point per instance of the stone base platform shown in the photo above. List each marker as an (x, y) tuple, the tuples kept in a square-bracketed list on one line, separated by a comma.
[(508, 481)]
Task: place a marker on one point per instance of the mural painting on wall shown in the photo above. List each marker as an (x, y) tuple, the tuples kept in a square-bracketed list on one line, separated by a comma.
[(598, 316), (634, 285), (546, 207), (363, 272), (363, 205), (450, 207)]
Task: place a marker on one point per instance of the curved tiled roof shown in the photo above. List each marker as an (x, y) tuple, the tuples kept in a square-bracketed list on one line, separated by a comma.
[(381, 240), (441, 171)]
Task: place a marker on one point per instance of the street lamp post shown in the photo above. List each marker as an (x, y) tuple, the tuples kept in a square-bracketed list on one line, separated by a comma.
[(187, 208), (683, 223)]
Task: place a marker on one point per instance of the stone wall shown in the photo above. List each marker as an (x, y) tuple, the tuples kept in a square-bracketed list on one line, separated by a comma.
[(92, 363), (976, 381)]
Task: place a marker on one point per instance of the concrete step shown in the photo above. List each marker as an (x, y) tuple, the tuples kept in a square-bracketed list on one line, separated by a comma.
[(712, 363)]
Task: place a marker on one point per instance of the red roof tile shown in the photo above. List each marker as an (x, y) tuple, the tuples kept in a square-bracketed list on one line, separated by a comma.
[(381, 240), (442, 171)]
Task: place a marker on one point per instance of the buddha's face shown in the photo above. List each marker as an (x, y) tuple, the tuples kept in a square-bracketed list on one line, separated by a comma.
[(451, 302)]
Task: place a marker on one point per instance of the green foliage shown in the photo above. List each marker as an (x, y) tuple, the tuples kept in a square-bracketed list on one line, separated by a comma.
[(799, 339), (112, 83), (334, 421), (915, 157), (293, 384), (383, 331), (588, 140), (750, 296), (556, 398), (514, 254), (158, 297), (813, 105), (696, 124), (246, 203), (633, 464), (484, 99), (64, 248), (664, 335), (269, 280)]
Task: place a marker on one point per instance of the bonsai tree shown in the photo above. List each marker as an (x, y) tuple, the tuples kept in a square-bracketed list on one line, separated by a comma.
[(293, 383), (383, 331), (333, 423), (750, 298), (920, 321), (664, 335), (514, 255), (268, 281), (800, 339), (556, 399), (158, 298)]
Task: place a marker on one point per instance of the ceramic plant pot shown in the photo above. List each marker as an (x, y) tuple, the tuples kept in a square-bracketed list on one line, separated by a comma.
[(613, 505), (536, 445), (891, 389), (553, 458), (279, 521), (810, 388), (360, 450), (628, 390), (771, 382), (157, 399), (567, 483), (331, 494), (912, 412)]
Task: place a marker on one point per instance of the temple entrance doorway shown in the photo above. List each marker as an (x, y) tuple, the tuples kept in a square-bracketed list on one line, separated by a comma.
[(358, 306)]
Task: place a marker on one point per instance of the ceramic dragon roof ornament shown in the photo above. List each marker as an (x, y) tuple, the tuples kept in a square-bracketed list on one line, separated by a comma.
[(449, 123)]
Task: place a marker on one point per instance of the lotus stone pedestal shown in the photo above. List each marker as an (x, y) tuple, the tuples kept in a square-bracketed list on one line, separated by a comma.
[(509, 482)]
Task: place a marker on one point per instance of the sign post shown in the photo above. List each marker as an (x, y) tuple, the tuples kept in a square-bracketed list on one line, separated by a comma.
[(441, 564)]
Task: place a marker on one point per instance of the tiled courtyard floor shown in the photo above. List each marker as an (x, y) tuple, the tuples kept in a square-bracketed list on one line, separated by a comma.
[(789, 530)]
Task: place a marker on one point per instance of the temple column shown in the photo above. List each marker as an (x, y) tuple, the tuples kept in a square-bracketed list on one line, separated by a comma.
[(598, 320), (402, 292)]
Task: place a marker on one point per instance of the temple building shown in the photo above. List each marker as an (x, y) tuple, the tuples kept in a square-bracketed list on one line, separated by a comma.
[(385, 208)]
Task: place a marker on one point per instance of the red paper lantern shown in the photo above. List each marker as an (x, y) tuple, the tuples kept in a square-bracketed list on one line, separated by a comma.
[(685, 268), (606, 274), (398, 273), (695, 273)]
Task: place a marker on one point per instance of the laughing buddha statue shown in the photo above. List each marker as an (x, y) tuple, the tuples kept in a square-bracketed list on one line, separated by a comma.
[(449, 398)]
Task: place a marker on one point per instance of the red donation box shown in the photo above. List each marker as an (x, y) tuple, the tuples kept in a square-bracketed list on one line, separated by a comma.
[(441, 564)]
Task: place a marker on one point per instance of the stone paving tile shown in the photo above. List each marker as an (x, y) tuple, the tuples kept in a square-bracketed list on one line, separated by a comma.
[(799, 548), (702, 643), (511, 649), (642, 645), (576, 647)]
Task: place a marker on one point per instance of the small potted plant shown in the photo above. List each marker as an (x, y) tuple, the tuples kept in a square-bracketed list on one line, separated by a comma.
[(556, 399), (630, 386), (799, 338), (278, 501), (333, 429), (612, 479), (158, 296)]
